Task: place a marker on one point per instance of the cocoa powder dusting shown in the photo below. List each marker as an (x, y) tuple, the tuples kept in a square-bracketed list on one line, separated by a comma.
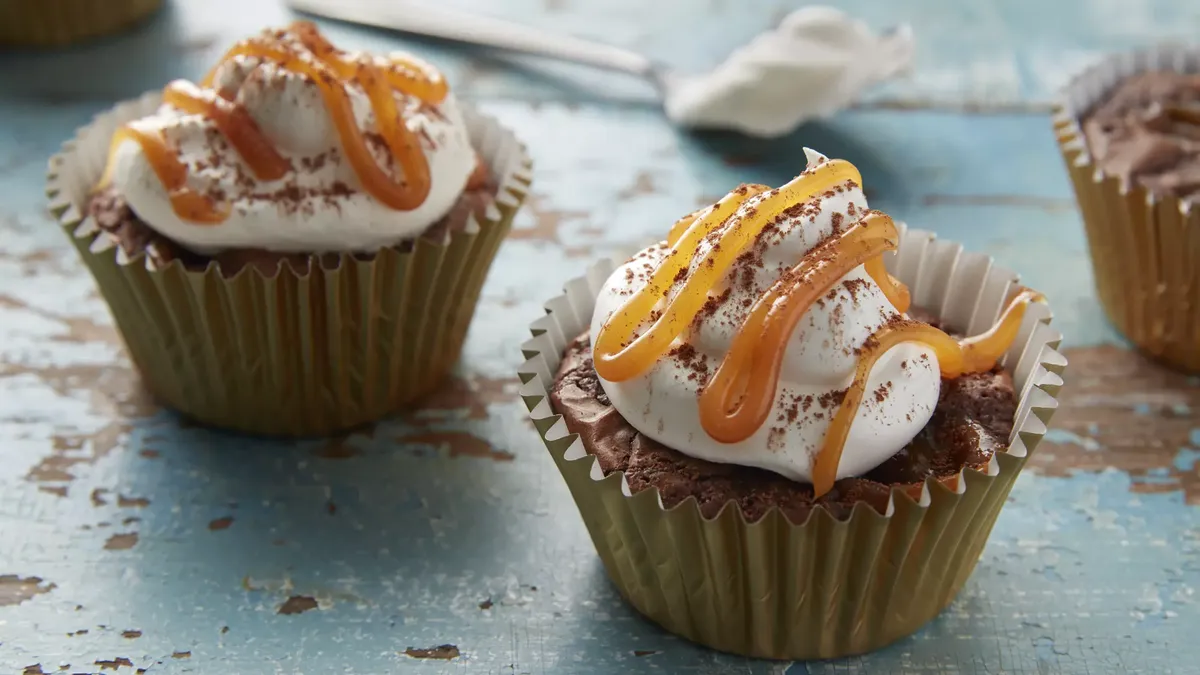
[(691, 360), (831, 399), (836, 218), (713, 303), (775, 439), (854, 287)]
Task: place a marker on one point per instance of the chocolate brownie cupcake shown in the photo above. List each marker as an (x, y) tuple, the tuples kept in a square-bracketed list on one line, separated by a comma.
[(294, 245), (773, 454), (1129, 130), (972, 421)]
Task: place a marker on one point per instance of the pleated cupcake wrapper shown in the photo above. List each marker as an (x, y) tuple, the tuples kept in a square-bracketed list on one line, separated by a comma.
[(295, 353), (47, 23), (1145, 248), (822, 588)]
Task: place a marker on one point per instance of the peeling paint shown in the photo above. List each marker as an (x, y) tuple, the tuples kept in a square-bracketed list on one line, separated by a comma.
[(113, 390), (113, 664), (297, 604), (467, 397), (181, 655), (131, 634), (1062, 436), (458, 444), (546, 220), (338, 447), (121, 542), (643, 184), (15, 589), (1120, 410), (221, 523), (445, 652)]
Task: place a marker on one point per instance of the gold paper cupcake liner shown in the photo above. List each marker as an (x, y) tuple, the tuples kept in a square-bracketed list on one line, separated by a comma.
[(1145, 248), (295, 353), (49, 23), (823, 588)]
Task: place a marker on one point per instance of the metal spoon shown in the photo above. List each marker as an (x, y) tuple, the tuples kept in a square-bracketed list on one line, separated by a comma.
[(475, 29), (815, 62)]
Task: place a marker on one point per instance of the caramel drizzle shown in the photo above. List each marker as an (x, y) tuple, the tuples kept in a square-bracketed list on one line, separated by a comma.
[(737, 400), (330, 69), (976, 354), (618, 354), (739, 396)]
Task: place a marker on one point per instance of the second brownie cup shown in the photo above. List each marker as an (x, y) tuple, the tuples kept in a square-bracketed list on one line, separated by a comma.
[(775, 453), (1129, 131)]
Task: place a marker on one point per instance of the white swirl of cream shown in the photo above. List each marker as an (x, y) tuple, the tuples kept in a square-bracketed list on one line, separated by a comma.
[(818, 365), (319, 205)]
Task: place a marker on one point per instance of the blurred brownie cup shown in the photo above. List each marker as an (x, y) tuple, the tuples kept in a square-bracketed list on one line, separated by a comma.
[(1129, 130), (294, 245)]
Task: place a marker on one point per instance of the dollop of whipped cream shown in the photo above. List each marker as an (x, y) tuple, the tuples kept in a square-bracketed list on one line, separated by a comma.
[(317, 206), (819, 359), (817, 61)]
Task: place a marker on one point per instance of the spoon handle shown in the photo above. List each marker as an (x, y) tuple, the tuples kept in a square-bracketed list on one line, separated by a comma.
[(475, 29)]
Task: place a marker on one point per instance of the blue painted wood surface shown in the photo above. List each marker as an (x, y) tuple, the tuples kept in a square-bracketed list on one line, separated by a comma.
[(131, 541)]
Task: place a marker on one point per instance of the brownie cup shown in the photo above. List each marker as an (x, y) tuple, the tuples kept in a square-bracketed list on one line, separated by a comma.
[(972, 422), (773, 453), (294, 245), (1129, 132)]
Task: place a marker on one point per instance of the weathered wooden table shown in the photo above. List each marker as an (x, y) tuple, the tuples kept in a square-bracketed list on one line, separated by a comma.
[(131, 542)]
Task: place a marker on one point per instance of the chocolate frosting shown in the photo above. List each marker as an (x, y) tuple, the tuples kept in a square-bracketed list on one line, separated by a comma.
[(973, 421), (1148, 130)]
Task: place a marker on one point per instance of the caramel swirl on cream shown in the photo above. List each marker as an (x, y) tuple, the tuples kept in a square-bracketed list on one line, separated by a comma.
[(715, 294), (291, 144)]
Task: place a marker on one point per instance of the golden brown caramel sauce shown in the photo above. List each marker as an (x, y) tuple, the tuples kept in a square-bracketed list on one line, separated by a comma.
[(618, 354), (738, 398), (234, 122), (330, 69), (188, 204)]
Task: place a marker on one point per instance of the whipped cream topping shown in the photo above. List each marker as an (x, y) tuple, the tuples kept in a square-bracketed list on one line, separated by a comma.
[(817, 61), (319, 204), (819, 360)]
